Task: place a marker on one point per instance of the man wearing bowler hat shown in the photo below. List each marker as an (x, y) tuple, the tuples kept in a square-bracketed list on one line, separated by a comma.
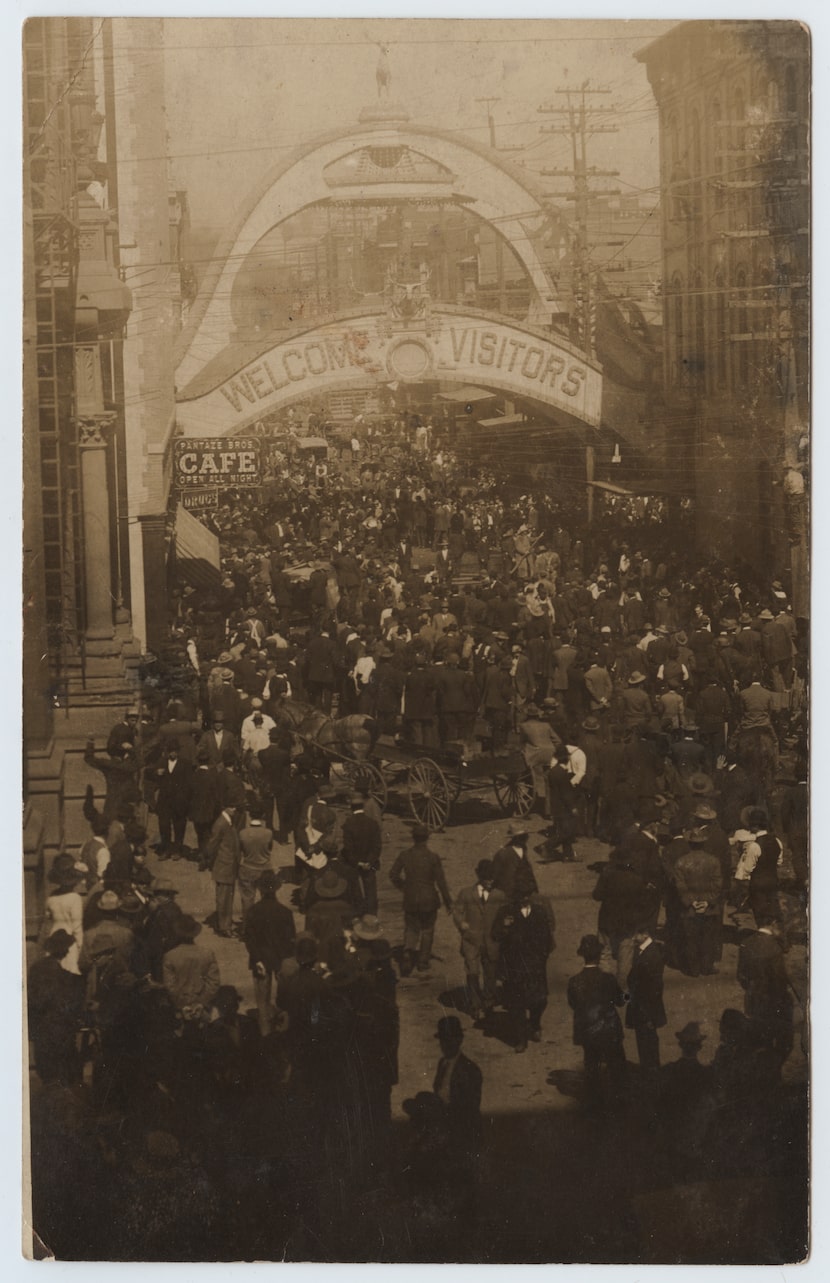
[(474, 912), (457, 1084), (594, 997)]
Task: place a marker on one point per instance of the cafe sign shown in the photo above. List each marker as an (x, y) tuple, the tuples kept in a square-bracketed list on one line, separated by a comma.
[(202, 463)]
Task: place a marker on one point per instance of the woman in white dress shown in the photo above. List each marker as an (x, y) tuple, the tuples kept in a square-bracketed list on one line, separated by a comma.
[(64, 909)]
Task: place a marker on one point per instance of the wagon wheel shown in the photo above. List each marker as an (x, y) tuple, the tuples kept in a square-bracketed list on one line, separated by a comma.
[(515, 791), (430, 793), (366, 775)]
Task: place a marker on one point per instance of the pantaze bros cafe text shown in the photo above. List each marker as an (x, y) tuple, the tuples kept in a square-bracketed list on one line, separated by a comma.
[(199, 463)]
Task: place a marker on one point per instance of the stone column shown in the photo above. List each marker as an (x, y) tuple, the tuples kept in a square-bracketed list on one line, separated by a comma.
[(97, 561)]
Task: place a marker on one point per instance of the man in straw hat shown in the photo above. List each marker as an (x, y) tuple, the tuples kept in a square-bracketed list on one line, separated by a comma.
[(699, 882)]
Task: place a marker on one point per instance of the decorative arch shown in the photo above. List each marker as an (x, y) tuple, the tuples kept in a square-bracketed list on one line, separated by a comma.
[(462, 170)]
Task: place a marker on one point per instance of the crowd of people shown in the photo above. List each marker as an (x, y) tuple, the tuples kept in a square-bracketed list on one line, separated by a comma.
[(660, 705)]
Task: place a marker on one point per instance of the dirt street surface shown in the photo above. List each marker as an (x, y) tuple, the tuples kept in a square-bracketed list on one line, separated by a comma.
[(545, 1166)]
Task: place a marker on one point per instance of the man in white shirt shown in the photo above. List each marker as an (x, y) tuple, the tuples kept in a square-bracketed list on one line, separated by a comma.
[(255, 728)]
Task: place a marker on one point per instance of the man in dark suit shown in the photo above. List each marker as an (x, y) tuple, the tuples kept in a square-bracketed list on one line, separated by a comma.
[(175, 783), (474, 913), (419, 704), (458, 1084), (512, 871), (522, 930), (275, 761), (269, 937), (222, 856), (322, 663), (594, 997), (562, 797), (762, 975), (361, 849), (646, 1013), (222, 746)]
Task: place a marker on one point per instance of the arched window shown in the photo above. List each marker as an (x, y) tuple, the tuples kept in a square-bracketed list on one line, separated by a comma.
[(740, 330), (719, 142), (720, 336), (696, 164), (697, 357), (677, 370)]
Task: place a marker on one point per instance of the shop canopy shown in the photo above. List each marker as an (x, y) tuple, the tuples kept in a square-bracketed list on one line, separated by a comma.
[(502, 421)]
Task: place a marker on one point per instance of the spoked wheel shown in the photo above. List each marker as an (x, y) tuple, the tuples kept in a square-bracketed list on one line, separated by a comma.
[(430, 793), (363, 775), (515, 791)]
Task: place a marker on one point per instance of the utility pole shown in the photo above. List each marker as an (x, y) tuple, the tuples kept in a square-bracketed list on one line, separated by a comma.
[(491, 121), (490, 118), (581, 123)]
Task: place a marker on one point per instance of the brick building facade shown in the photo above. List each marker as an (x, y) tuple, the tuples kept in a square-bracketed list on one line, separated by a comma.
[(733, 100)]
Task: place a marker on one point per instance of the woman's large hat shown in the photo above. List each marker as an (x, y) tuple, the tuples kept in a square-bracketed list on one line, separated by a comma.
[(330, 886), (367, 928)]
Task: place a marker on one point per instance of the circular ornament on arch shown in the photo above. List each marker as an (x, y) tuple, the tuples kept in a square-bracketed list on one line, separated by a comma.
[(409, 360)]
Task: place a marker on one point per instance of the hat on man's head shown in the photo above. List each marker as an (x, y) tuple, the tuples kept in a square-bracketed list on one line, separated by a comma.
[(517, 830), (485, 870), (701, 785), (268, 881), (636, 678), (704, 812), (58, 944), (102, 945), (697, 836), (590, 724), (109, 902), (690, 1035), (163, 886), (754, 817), (187, 928), (256, 702), (217, 715), (420, 832), (766, 614), (426, 1108), (449, 1027), (590, 948), (367, 928)]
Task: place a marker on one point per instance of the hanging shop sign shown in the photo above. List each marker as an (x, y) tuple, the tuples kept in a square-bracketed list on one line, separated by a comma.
[(200, 500), (202, 463)]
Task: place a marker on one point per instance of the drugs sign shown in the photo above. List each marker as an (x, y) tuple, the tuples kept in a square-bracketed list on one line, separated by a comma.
[(199, 463), (200, 500)]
